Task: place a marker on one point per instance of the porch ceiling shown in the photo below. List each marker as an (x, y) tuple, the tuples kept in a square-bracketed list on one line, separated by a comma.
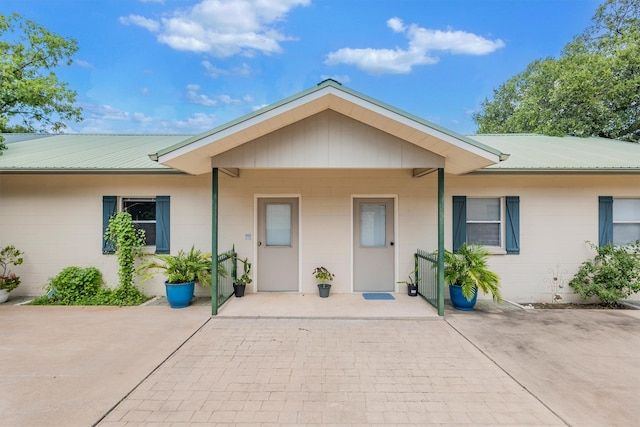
[(461, 154)]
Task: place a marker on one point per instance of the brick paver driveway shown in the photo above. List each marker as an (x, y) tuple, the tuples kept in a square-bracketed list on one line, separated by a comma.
[(329, 372), (153, 366)]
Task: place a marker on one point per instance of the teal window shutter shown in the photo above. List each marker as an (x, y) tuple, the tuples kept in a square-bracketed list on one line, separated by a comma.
[(109, 209), (605, 220), (163, 222), (459, 221), (512, 238)]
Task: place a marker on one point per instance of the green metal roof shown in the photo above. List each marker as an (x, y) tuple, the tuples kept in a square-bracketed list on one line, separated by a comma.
[(541, 153), (320, 86), (82, 153), (34, 153)]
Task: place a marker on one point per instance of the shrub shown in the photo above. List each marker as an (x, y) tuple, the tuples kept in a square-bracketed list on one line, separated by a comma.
[(611, 276), (74, 286), (83, 286)]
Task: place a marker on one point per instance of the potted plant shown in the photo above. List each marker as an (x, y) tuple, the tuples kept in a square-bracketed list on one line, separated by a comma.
[(182, 271), (466, 271), (412, 283), (324, 275), (241, 283), (9, 255)]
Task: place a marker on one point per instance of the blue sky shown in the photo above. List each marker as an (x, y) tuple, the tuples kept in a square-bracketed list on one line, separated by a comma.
[(186, 66)]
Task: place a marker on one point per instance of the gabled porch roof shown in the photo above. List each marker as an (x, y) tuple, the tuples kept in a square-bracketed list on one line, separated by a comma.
[(459, 153)]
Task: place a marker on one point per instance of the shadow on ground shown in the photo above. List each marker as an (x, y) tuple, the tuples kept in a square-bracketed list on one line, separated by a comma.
[(582, 364)]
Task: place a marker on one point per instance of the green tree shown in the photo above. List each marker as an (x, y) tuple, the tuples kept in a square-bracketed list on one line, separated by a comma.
[(593, 89), (29, 89)]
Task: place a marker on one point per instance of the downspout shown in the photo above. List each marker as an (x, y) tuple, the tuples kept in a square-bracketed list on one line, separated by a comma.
[(440, 241), (214, 241)]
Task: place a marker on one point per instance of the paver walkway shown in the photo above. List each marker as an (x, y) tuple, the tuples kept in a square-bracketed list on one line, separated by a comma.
[(331, 372)]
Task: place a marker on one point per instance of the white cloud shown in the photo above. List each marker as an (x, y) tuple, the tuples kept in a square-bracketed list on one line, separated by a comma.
[(422, 42), (196, 98), (83, 64), (244, 70), (196, 123), (211, 101), (212, 71), (140, 21), (106, 119), (396, 25), (380, 61), (223, 28), (105, 112)]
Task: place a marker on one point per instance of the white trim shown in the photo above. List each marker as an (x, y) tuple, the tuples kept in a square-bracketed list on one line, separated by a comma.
[(256, 264), (395, 235)]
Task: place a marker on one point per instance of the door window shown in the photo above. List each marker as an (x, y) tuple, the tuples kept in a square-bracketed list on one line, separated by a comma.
[(373, 220), (278, 224)]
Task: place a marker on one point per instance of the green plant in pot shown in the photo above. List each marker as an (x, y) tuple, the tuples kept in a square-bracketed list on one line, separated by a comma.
[(241, 283), (412, 283), (467, 272), (182, 272), (9, 255), (324, 276)]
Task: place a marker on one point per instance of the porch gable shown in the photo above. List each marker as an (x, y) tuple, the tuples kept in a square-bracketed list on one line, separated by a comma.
[(459, 153), (328, 140)]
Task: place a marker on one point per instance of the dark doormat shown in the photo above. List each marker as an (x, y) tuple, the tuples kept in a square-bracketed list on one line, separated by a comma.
[(377, 295)]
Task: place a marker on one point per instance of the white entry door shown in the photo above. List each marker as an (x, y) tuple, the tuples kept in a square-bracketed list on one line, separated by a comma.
[(373, 245), (277, 244)]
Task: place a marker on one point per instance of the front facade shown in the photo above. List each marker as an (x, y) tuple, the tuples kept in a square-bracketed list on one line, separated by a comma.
[(327, 177)]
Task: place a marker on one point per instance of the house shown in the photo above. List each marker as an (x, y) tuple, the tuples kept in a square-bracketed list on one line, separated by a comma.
[(325, 177)]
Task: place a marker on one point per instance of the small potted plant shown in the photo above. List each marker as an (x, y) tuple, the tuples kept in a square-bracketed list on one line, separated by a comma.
[(467, 271), (9, 255), (182, 272), (241, 283), (324, 275), (412, 283)]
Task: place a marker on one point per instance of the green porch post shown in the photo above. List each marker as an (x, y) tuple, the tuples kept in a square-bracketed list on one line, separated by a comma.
[(440, 241), (214, 241)]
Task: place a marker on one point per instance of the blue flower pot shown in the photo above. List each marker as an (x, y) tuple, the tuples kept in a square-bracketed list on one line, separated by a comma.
[(179, 295), (458, 300)]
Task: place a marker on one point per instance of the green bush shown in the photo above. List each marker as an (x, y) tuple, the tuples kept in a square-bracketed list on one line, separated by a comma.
[(611, 276), (75, 285), (83, 286)]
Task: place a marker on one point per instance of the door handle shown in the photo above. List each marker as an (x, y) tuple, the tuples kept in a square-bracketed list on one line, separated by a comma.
[(259, 243), (391, 243)]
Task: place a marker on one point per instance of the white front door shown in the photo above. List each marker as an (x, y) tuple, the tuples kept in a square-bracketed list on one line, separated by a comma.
[(277, 244), (373, 245)]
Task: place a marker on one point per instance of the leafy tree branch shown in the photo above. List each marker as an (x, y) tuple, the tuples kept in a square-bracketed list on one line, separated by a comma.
[(30, 91)]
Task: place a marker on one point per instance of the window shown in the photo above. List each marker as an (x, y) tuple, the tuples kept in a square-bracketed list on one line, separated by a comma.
[(484, 221), (150, 214), (489, 221), (626, 221), (619, 220), (143, 213)]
